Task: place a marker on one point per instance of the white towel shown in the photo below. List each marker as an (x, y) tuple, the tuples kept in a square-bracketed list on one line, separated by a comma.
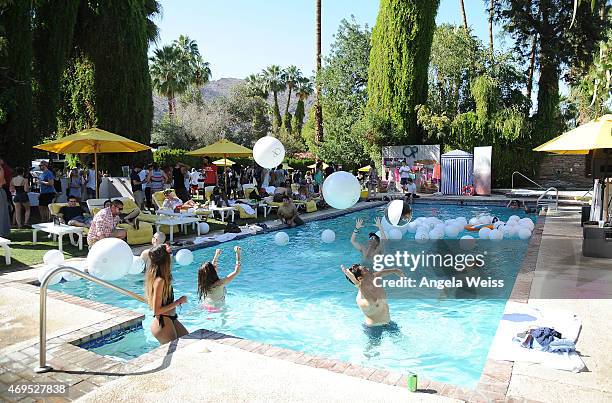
[(247, 209), (270, 189), (517, 318), (225, 237)]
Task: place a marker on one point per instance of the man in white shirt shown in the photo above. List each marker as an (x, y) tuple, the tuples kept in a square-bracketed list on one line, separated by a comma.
[(411, 189), (145, 186), (91, 182), (404, 172)]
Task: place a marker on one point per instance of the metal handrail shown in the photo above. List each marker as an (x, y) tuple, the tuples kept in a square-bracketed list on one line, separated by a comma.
[(530, 180), (42, 364), (546, 193)]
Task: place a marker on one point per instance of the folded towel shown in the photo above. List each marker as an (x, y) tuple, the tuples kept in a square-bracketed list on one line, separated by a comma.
[(247, 209), (518, 318)]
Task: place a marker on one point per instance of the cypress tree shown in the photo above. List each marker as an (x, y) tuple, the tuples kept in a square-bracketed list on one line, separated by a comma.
[(16, 83), (399, 59)]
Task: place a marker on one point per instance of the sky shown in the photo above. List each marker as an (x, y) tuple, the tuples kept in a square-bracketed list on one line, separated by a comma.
[(242, 37)]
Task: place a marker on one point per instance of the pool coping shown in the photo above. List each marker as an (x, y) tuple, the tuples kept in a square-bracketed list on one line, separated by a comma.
[(68, 358)]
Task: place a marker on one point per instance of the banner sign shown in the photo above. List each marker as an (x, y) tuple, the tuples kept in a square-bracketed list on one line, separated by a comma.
[(423, 153)]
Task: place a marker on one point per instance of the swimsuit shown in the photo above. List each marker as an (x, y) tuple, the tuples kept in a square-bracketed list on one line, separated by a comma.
[(167, 301), (375, 332)]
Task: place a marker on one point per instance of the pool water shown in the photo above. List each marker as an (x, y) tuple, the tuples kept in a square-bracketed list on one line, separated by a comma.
[(296, 297)]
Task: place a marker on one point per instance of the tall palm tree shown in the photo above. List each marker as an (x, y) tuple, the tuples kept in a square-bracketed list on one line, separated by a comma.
[(201, 72), (465, 23), (169, 74), (152, 9), (318, 109), (272, 77), (491, 31), (303, 90), (189, 48), (291, 75), (256, 86)]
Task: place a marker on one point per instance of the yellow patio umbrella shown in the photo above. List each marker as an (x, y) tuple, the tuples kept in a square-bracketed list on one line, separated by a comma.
[(223, 148), (364, 169), (593, 135), (93, 141), (224, 162), (313, 166)]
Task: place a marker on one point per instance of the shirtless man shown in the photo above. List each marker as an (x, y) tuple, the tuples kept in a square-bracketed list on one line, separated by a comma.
[(289, 213), (375, 242), (372, 300)]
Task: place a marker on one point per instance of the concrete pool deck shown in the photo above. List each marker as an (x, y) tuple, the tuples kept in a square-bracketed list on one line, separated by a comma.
[(504, 381)]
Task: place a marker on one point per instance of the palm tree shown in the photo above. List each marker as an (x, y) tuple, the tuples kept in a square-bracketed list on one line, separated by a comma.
[(465, 23), (318, 109), (274, 83), (290, 76), (201, 72), (303, 90), (152, 9), (257, 86), (169, 74)]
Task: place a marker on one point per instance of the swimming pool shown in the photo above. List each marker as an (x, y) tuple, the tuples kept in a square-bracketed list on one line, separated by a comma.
[(296, 297)]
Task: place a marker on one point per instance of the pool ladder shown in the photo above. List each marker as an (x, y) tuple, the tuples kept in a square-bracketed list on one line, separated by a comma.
[(42, 364), (547, 202)]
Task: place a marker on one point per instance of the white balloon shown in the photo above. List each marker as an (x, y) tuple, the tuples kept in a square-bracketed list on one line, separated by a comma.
[(524, 233), (497, 224), (513, 218), (53, 257), (462, 220), (281, 238), (467, 242), (474, 221), (204, 228), (269, 152), (527, 223), (394, 211), (328, 236), (412, 227), (184, 257), (436, 233), (44, 271), (138, 265), (513, 231), (395, 234), (79, 265), (451, 231), (496, 235), (109, 259), (423, 228), (421, 237), (341, 190), (484, 232)]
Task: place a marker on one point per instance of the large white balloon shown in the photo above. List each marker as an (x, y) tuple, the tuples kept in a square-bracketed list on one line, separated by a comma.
[(467, 242), (451, 231), (436, 233), (412, 227), (474, 221), (138, 265), (496, 235), (484, 232), (269, 152), (204, 228), (513, 231), (184, 257), (281, 238), (328, 236), (395, 234), (44, 271), (524, 233), (527, 223), (53, 257), (398, 212), (79, 265), (421, 237), (513, 218), (110, 259), (341, 190)]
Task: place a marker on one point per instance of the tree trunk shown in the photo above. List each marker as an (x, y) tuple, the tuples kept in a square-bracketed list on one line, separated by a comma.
[(276, 118), (491, 31), (288, 99), (532, 56), (170, 105), (318, 110), (465, 23)]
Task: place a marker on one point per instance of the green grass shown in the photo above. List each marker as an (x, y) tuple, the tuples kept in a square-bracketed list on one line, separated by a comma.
[(25, 253)]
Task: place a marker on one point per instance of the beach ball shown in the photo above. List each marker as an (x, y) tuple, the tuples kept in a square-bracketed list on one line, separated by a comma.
[(484, 232), (269, 152), (524, 233), (451, 231), (398, 212), (281, 238), (328, 236), (204, 228), (421, 237), (79, 265), (467, 242), (53, 257), (138, 265), (184, 257), (341, 190), (395, 234), (110, 259), (496, 235)]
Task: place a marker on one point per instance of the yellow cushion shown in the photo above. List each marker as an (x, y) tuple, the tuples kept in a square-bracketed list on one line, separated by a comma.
[(248, 191), (364, 194), (311, 206), (158, 198), (128, 205), (54, 208), (208, 192), (139, 236), (244, 214)]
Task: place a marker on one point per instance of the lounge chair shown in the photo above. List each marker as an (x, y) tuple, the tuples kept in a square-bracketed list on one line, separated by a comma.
[(139, 236), (4, 243)]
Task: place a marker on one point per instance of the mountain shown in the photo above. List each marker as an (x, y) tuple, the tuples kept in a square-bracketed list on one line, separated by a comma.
[(222, 88)]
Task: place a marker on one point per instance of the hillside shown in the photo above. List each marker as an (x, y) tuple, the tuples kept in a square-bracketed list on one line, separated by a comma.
[(222, 87)]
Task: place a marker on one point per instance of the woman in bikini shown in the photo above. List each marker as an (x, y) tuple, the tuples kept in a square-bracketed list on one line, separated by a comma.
[(210, 286), (160, 296)]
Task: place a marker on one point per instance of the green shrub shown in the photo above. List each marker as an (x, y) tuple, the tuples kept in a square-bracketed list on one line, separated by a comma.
[(172, 156)]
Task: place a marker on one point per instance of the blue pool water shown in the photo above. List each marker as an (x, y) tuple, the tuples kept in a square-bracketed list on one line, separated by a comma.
[(296, 297)]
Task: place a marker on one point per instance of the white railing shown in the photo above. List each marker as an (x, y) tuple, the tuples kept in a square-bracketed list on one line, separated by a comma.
[(546, 202)]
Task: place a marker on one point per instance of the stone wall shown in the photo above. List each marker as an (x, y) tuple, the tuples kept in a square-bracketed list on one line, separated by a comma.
[(563, 172)]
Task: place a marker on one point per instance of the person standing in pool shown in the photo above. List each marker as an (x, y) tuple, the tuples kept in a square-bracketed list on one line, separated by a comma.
[(210, 286), (375, 242), (372, 300), (160, 296)]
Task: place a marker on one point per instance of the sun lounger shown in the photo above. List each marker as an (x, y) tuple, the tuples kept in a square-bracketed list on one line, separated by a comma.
[(4, 243)]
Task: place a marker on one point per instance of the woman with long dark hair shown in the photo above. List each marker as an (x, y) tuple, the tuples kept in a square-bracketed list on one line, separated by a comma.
[(160, 296), (210, 286)]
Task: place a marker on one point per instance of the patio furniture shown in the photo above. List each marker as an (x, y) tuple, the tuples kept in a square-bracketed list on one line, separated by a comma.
[(139, 236), (4, 243), (223, 210), (59, 231), (171, 221)]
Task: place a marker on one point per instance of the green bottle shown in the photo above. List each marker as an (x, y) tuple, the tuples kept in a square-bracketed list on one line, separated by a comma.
[(412, 382)]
